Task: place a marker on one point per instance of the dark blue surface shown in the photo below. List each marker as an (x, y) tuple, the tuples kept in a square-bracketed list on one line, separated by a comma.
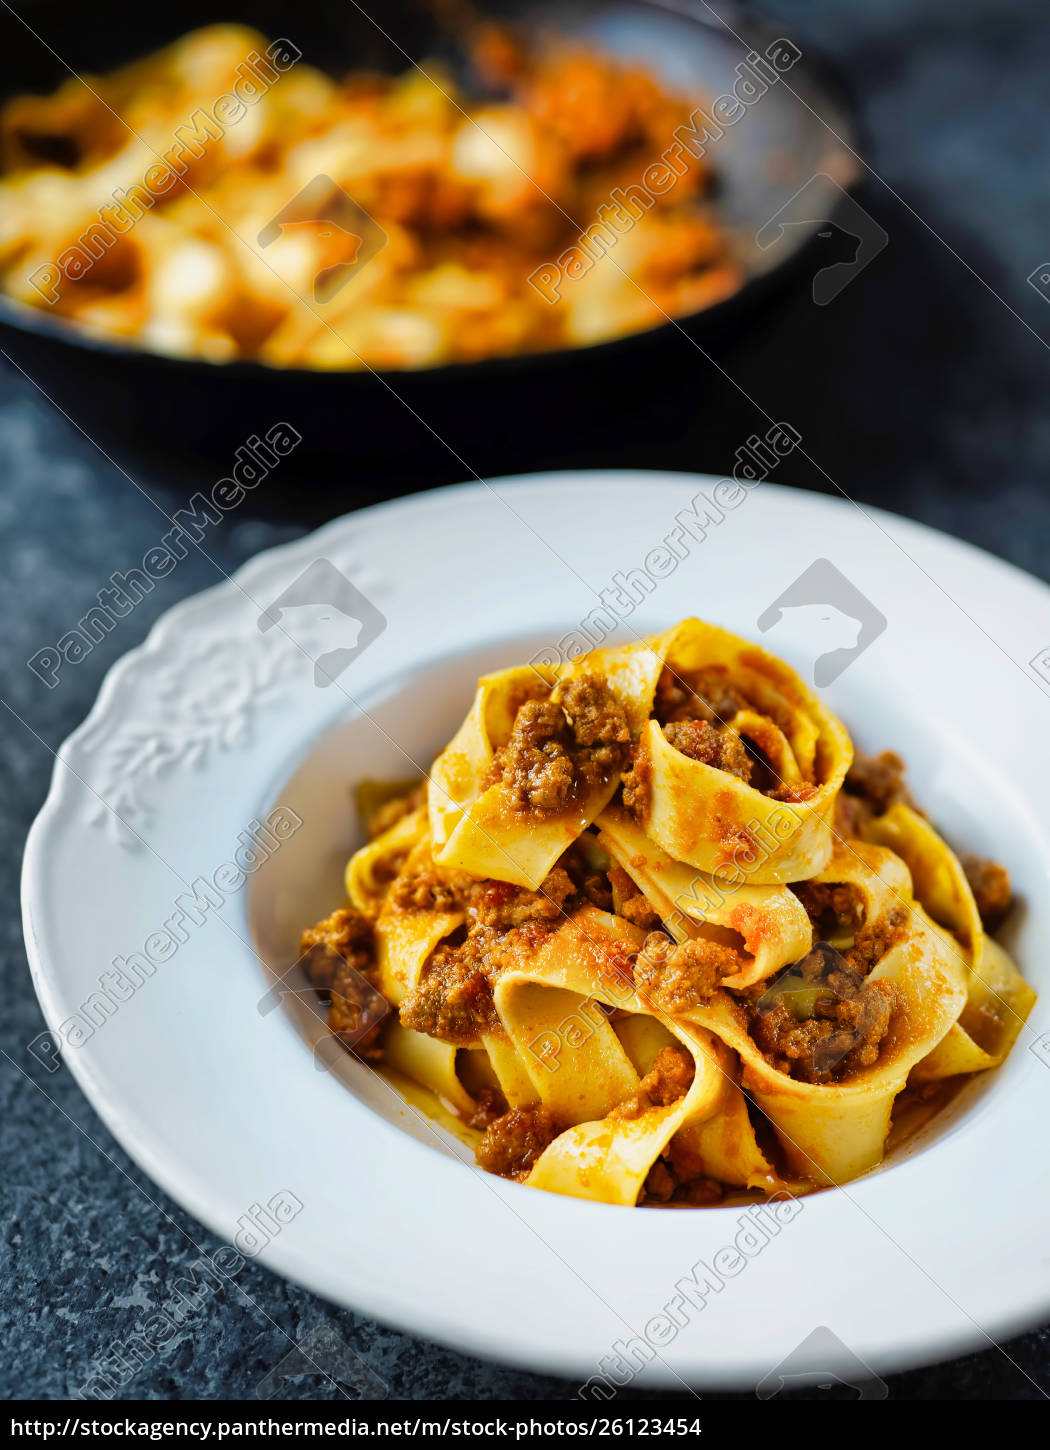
[(922, 387)]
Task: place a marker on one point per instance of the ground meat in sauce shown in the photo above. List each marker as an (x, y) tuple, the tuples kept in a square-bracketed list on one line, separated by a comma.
[(695, 712), (671, 1075), (793, 793), (346, 935), (705, 695), (837, 910), (878, 781), (874, 939), (844, 1033), (339, 961), (660, 1183), (702, 1193), (498, 904), (678, 978), (535, 764), (637, 783), (834, 908), (559, 750), (597, 889), (487, 903), (634, 904), (511, 1144), (597, 717), (424, 888), (664, 1184), (387, 868), (490, 1105), (354, 1004), (669, 1079), (591, 879), (714, 745), (683, 1159), (990, 884), (678, 1174), (452, 1000)]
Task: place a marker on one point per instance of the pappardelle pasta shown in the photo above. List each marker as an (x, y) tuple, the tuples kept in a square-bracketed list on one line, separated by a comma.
[(654, 934), (223, 199)]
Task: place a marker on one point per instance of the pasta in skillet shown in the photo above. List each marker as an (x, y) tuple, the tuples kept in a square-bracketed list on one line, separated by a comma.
[(654, 934), (223, 199)]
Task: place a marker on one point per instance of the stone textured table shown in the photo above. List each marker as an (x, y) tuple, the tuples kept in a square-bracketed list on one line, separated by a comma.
[(922, 388)]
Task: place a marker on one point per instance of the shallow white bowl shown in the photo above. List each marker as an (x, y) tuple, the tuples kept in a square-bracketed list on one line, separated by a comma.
[(210, 1084)]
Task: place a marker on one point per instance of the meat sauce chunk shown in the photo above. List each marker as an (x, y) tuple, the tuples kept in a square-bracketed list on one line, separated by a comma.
[(668, 1080), (714, 745), (676, 978), (498, 904), (634, 904), (990, 884), (452, 1001), (671, 1075), (878, 781), (338, 956), (560, 750), (822, 1021), (704, 695), (511, 1145)]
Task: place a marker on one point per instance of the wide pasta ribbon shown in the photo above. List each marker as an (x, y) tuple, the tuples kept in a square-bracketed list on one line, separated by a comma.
[(700, 814), (708, 818), (431, 1063), (406, 938), (473, 821), (370, 871), (584, 1066), (831, 1132), (768, 924), (998, 999)]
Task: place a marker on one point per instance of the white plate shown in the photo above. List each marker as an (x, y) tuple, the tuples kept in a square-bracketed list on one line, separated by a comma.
[(214, 720)]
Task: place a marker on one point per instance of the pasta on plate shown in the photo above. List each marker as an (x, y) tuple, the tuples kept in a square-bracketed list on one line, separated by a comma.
[(653, 933)]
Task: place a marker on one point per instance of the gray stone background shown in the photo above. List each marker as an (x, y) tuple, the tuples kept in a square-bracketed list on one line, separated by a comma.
[(921, 389)]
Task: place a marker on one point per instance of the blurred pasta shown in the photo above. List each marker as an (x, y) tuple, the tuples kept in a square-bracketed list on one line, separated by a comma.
[(142, 205)]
